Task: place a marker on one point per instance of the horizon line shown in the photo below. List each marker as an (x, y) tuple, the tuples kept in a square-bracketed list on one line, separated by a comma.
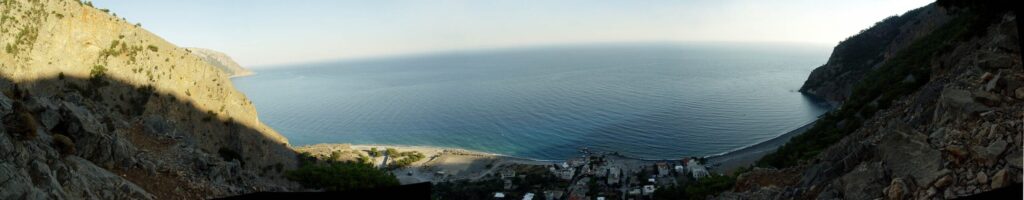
[(526, 46)]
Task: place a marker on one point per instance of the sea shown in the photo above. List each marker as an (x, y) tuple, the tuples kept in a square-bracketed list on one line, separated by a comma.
[(643, 100)]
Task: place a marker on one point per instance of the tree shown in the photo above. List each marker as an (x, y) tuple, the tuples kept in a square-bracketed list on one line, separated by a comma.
[(392, 152), (341, 176)]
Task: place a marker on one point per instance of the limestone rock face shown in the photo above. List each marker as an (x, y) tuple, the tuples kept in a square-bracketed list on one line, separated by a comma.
[(146, 119), (221, 61)]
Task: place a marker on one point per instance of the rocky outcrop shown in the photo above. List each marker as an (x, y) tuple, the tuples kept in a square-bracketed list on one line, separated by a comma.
[(95, 107), (221, 61), (957, 135), (858, 55)]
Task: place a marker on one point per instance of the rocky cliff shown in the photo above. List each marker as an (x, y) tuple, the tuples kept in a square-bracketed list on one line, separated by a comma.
[(860, 54), (97, 107), (934, 109), (221, 61)]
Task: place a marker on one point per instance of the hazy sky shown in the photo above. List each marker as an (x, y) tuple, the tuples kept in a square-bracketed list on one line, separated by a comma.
[(261, 33)]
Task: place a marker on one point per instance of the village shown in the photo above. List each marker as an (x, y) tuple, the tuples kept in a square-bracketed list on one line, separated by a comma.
[(463, 174), (594, 175)]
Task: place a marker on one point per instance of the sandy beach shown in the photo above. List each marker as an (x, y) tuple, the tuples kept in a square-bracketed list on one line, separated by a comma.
[(440, 164)]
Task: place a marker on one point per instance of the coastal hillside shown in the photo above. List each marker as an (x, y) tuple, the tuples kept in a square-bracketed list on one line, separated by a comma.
[(96, 107), (221, 61), (860, 54), (931, 105)]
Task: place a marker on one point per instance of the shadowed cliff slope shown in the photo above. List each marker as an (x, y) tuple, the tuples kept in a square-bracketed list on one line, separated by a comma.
[(97, 107)]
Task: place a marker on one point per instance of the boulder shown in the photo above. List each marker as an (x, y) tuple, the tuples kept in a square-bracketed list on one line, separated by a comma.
[(1019, 93), (993, 84), (956, 151), (907, 154), (944, 181), (988, 99), (866, 181), (13, 186), (986, 77), (897, 190), (1016, 160), (989, 155), (937, 136), (981, 178), (993, 61), (1001, 179), (94, 182), (5, 105), (957, 100)]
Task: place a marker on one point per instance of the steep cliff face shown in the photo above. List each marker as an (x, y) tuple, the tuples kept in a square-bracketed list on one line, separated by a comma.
[(97, 107), (952, 125), (221, 61), (860, 54)]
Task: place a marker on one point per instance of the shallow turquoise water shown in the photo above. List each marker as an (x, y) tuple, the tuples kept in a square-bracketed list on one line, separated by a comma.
[(642, 100)]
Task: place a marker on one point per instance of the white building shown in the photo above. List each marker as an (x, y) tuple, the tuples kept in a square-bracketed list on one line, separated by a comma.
[(506, 173), (528, 196), (662, 169), (648, 189), (499, 195), (696, 170), (553, 194)]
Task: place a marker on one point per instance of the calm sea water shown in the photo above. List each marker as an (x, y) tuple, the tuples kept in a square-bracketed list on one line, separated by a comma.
[(642, 100)]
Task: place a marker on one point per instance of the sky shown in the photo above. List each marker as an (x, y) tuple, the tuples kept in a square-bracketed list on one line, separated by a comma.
[(274, 33)]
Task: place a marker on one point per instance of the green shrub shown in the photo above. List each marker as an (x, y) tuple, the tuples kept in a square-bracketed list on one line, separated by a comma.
[(341, 176), (404, 159), (373, 152), (21, 124), (97, 73), (64, 144), (335, 156), (153, 48), (392, 152), (229, 154), (710, 185)]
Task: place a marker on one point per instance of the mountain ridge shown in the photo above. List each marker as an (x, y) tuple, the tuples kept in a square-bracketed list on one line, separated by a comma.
[(939, 118), (220, 60)]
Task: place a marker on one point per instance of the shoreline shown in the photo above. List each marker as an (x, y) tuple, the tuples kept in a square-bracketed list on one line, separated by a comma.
[(248, 73), (451, 163), (746, 156)]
